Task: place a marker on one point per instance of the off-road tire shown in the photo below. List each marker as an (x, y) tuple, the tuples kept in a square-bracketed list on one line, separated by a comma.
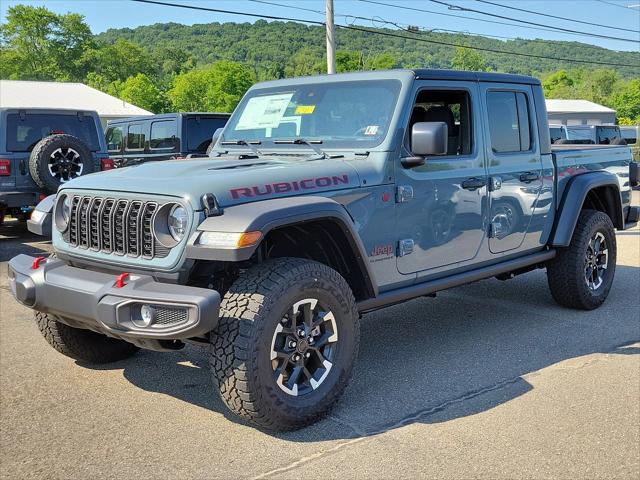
[(80, 344), (240, 346), (41, 153), (565, 273)]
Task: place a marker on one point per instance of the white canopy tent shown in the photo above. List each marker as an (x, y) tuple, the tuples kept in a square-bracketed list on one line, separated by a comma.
[(30, 94)]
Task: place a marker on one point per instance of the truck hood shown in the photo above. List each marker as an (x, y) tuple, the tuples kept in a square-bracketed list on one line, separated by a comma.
[(231, 181)]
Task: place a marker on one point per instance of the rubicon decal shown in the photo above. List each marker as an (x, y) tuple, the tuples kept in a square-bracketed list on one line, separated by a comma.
[(285, 187)]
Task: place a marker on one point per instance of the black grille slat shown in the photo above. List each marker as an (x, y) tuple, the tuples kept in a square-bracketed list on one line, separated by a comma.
[(123, 227)]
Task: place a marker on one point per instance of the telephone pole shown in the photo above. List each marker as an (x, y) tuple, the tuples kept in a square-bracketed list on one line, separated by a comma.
[(331, 39)]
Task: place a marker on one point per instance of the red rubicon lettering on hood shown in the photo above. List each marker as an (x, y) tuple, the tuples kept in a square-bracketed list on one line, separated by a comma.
[(285, 187)]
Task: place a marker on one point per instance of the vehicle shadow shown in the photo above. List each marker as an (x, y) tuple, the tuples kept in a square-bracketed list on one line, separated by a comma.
[(434, 360), (16, 239)]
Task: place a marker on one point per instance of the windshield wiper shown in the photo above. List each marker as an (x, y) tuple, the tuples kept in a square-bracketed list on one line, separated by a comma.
[(250, 144), (310, 143)]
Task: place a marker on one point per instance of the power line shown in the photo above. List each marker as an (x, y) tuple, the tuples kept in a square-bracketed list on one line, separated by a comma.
[(556, 16), (613, 4), (433, 12), (531, 55), (406, 26), (560, 29), (378, 32)]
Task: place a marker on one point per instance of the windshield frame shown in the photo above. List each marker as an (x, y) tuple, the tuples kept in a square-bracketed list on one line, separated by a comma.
[(268, 144)]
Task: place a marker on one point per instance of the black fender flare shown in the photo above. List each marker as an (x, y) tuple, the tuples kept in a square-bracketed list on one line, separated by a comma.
[(573, 198), (268, 215)]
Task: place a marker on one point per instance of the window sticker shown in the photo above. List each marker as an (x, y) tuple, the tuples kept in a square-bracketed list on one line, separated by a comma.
[(371, 130), (305, 109), (264, 112)]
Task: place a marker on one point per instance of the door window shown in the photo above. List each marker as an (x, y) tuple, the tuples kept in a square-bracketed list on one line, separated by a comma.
[(135, 137), (451, 107), (606, 134), (509, 124), (114, 139), (163, 135)]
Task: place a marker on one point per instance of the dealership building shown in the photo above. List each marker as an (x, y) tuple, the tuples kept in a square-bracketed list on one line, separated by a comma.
[(579, 112)]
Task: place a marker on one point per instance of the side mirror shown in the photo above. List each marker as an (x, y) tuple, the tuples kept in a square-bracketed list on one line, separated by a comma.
[(429, 138), (216, 136)]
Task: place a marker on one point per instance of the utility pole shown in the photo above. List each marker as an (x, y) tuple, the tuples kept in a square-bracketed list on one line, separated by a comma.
[(331, 39)]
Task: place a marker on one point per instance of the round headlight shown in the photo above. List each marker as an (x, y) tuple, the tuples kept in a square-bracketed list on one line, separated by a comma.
[(63, 213), (177, 222)]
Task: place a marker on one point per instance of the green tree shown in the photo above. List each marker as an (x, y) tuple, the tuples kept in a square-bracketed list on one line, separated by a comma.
[(626, 102), (38, 44), (558, 85), (142, 92), (467, 59), (348, 61), (306, 61), (218, 87), (119, 61), (384, 61)]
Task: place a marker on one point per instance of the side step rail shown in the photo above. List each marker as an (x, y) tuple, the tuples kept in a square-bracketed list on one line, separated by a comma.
[(428, 288)]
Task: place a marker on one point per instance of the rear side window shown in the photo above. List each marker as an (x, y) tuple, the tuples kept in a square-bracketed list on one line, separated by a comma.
[(135, 137), (163, 135), (200, 130), (114, 139), (24, 133), (604, 135), (509, 124)]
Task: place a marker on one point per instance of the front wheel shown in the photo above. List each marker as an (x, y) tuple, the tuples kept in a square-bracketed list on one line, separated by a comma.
[(80, 344), (286, 342), (581, 275)]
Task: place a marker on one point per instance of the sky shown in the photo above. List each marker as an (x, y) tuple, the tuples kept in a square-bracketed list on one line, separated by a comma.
[(104, 14)]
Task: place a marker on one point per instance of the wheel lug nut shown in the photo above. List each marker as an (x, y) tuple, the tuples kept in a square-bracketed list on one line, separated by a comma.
[(292, 344), (307, 355), (296, 357), (311, 340), (301, 333)]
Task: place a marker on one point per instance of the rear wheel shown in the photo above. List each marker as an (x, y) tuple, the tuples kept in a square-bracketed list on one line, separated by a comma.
[(581, 275), (286, 343), (82, 344)]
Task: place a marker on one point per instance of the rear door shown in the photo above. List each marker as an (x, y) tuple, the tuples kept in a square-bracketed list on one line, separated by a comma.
[(135, 146), (514, 163), (163, 139)]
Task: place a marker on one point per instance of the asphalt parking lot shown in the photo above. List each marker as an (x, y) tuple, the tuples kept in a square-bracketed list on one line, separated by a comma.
[(491, 380)]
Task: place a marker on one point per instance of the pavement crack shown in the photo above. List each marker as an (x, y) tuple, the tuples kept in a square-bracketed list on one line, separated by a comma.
[(371, 434)]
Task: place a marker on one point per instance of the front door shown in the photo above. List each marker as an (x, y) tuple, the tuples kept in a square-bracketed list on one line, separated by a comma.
[(441, 203), (514, 164)]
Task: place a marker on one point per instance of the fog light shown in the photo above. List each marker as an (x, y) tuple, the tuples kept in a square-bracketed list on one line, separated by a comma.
[(147, 314)]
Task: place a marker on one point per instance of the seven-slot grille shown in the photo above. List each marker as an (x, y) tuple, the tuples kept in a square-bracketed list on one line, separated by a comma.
[(111, 225)]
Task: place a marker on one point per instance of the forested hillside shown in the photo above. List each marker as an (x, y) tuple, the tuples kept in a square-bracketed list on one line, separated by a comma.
[(270, 48), (208, 67)]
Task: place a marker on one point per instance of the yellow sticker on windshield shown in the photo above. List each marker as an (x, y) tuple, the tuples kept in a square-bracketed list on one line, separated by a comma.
[(305, 109)]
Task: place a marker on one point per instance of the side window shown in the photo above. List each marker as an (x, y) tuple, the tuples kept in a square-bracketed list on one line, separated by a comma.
[(452, 107), (114, 139), (163, 135), (135, 137), (509, 124)]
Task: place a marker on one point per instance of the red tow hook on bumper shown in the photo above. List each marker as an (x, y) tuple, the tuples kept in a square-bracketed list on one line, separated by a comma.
[(36, 262), (120, 280)]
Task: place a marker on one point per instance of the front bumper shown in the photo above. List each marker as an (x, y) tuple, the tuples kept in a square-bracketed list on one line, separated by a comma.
[(89, 299)]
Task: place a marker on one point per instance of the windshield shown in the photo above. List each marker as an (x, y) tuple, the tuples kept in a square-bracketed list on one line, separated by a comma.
[(339, 114)]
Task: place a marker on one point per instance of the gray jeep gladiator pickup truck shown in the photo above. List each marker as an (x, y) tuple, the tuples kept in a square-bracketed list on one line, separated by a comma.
[(324, 198)]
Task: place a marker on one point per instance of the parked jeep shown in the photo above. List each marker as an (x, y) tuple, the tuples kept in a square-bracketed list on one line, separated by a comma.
[(161, 137), (40, 149), (380, 187)]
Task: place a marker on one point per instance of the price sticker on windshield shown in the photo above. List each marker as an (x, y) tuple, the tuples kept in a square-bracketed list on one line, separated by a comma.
[(305, 109), (264, 112), (371, 130)]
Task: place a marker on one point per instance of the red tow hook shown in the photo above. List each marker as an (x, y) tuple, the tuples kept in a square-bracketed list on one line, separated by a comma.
[(36, 262), (120, 280)]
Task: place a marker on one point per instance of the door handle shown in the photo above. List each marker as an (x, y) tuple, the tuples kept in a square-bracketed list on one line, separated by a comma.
[(473, 183), (529, 177)]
